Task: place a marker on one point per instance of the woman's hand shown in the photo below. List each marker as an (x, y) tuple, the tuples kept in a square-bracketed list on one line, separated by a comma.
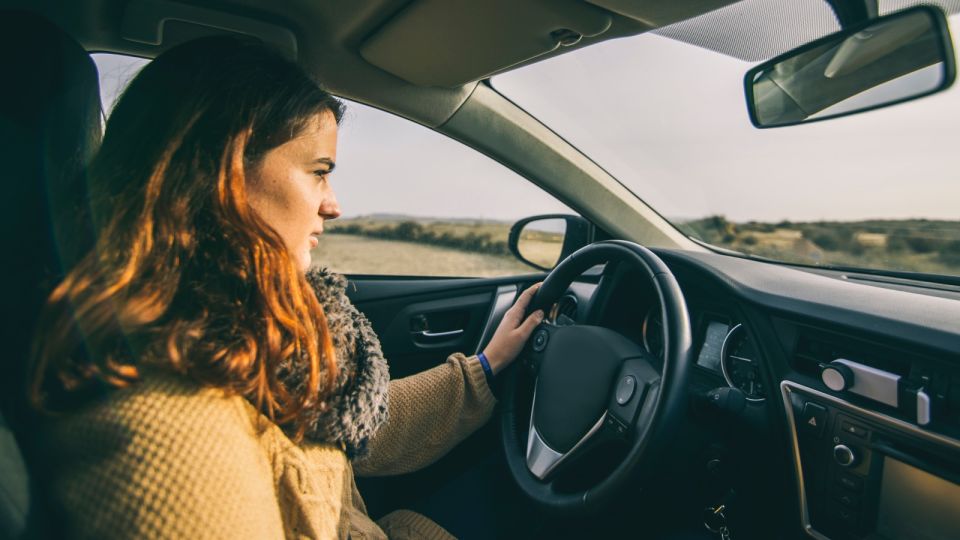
[(513, 332)]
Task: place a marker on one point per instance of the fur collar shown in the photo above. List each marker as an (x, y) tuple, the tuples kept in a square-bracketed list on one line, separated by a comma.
[(358, 407)]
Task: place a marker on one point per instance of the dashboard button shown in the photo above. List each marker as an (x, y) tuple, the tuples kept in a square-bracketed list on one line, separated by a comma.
[(851, 482), (845, 516), (848, 499), (853, 429), (813, 419), (844, 455)]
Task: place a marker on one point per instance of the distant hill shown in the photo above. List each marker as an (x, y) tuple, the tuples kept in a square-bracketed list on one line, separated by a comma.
[(906, 244), (419, 219), (918, 245)]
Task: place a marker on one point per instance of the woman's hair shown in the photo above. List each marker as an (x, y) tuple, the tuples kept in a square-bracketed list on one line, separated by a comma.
[(184, 273)]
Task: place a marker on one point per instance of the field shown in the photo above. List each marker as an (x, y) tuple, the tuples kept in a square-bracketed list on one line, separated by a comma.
[(351, 254), (400, 245)]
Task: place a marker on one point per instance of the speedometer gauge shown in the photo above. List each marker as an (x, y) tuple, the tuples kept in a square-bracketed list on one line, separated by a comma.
[(741, 364), (653, 332)]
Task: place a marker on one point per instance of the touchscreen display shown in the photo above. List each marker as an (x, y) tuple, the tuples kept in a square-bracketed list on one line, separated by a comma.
[(712, 343), (916, 505)]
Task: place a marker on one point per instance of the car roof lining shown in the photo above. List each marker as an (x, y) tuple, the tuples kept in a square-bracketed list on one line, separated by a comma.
[(329, 37)]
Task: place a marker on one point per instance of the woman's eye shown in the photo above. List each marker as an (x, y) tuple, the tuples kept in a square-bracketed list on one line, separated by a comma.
[(322, 175)]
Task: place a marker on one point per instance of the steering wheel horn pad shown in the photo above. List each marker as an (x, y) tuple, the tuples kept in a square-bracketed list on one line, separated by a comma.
[(576, 374)]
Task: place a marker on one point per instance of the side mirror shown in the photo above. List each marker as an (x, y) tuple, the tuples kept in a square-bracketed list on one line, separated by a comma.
[(543, 241), (880, 62)]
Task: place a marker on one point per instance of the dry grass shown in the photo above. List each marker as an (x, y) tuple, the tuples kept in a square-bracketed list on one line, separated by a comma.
[(495, 229), (349, 254), (543, 252)]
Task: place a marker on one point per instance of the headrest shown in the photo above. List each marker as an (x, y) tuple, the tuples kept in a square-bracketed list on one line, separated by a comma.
[(49, 129)]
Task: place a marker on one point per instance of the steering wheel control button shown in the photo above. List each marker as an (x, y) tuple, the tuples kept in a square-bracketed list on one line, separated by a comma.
[(844, 456), (540, 339), (615, 425), (836, 376), (813, 420), (625, 389)]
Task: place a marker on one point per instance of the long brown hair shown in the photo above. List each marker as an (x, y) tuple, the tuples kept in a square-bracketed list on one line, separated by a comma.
[(184, 273)]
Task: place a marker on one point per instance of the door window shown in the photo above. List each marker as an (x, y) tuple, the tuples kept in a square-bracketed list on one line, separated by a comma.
[(414, 202), (418, 203)]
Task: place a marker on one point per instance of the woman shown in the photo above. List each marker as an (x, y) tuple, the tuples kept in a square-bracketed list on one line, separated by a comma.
[(208, 384)]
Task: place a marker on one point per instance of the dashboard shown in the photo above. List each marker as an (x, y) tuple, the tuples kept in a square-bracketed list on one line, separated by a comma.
[(852, 384), (724, 347)]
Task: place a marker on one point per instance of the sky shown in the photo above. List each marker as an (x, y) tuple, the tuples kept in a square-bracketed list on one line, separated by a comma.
[(668, 120)]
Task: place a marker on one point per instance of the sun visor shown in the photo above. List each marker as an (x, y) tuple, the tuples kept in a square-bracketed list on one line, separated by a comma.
[(453, 42)]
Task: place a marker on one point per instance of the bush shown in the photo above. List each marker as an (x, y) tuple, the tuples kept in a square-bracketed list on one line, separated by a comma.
[(921, 244), (412, 231), (712, 229), (897, 244), (827, 241), (408, 230), (950, 254)]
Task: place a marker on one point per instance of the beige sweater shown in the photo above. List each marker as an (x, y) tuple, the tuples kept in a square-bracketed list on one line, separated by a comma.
[(168, 459)]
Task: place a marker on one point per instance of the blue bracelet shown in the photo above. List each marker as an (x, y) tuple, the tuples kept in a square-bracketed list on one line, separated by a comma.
[(485, 364)]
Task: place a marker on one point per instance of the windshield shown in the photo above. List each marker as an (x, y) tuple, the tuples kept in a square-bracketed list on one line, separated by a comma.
[(668, 119)]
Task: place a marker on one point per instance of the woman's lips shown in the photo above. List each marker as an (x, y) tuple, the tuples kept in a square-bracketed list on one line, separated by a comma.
[(314, 241)]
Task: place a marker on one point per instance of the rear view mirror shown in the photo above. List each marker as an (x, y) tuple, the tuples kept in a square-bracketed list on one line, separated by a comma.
[(884, 61)]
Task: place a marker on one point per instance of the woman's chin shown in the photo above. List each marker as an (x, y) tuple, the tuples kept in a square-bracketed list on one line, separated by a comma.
[(305, 259)]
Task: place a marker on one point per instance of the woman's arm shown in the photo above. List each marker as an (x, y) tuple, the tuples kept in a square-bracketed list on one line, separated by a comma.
[(430, 413)]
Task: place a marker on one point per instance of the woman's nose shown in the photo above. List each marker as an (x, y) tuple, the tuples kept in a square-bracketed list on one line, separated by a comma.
[(330, 207)]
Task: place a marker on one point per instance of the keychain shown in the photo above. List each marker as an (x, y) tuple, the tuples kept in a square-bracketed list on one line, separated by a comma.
[(716, 521)]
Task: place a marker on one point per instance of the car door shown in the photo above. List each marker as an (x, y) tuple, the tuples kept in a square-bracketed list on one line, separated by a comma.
[(460, 314)]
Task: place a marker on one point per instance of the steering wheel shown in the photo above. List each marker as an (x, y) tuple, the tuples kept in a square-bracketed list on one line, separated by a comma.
[(590, 384)]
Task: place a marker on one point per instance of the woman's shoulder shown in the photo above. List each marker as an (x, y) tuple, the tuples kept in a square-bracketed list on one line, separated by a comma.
[(160, 413), (167, 443)]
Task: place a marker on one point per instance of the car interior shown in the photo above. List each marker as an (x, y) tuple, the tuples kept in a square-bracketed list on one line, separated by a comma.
[(677, 389)]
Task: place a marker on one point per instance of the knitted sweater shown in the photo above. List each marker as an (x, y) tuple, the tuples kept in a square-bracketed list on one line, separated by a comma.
[(166, 458)]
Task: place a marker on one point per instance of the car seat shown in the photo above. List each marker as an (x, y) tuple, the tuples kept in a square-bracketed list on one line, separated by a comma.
[(50, 125)]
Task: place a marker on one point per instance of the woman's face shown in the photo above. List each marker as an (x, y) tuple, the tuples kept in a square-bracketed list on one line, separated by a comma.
[(290, 189)]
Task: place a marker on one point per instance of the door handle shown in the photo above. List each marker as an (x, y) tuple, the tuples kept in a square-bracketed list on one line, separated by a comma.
[(426, 336)]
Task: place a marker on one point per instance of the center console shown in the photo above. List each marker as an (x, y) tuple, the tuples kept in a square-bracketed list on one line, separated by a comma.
[(864, 474)]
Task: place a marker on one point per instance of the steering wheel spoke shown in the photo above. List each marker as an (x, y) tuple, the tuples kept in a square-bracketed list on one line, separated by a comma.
[(543, 461)]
